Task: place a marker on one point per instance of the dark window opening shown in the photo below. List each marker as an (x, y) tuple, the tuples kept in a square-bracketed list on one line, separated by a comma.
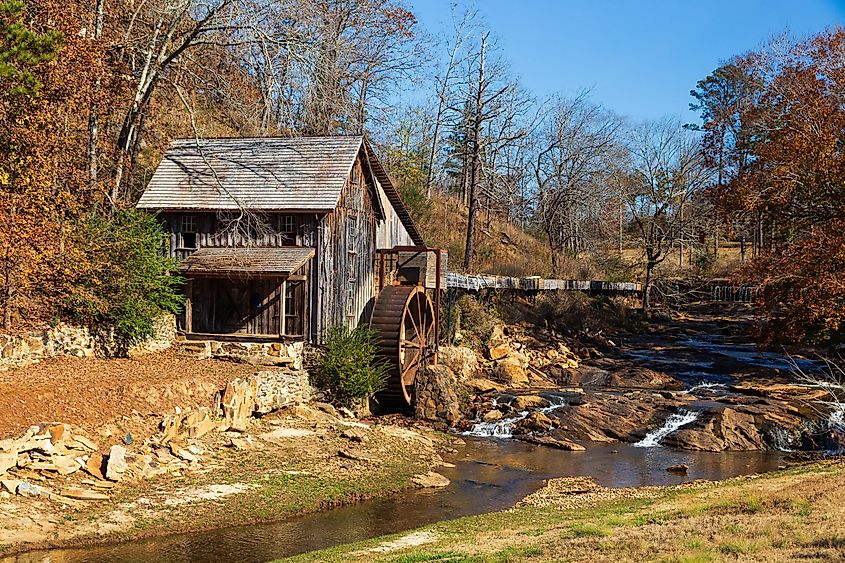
[(350, 299), (189, 224), (189, 240)]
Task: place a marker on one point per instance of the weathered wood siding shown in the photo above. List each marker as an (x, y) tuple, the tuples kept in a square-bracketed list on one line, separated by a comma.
[(210, 231), (390, 231), (345, 283)]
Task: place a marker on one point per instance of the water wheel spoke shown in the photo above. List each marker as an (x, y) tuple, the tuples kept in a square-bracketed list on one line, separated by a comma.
[(409, 377), (409, 315), (417, 352)]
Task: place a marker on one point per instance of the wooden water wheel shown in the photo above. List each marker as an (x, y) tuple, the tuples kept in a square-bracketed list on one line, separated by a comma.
[(404, 318)]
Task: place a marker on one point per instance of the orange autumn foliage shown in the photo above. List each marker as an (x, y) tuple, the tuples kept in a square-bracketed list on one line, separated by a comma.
[(795, 182)]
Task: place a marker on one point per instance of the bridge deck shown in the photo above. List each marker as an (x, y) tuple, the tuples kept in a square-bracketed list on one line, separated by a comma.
[(476, 282)]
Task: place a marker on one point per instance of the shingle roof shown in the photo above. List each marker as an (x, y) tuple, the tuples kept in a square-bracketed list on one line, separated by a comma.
[(244, 261), (296, 174)]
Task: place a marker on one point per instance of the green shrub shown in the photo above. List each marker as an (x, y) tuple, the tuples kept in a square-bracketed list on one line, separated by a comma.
[(349, 367), (127, 284)]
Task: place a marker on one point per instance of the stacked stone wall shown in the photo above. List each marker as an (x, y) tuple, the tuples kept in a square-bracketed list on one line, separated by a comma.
[(66, 340)]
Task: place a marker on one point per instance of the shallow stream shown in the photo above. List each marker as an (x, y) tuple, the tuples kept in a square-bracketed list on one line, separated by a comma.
[(490, 474)]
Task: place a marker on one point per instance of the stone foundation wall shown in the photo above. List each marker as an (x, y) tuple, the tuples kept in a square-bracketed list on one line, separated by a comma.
[(66, 340), (289, 354), (263, 393), (438, 395)]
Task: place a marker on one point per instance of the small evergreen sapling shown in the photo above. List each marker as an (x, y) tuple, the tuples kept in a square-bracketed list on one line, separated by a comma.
[(349, 367)]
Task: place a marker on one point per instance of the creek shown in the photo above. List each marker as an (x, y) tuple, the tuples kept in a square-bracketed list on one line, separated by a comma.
[(489, 475)]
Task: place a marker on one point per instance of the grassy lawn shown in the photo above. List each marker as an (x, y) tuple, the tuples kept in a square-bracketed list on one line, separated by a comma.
[(797, 514)]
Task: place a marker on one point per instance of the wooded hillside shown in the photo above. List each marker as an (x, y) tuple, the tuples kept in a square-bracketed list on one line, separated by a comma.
[(91, 93)]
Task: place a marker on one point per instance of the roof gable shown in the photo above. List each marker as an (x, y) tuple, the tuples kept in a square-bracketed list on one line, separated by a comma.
[(305, 174), (296, 174)]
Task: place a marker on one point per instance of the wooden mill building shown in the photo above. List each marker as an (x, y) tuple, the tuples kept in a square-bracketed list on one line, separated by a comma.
[(278, 237)]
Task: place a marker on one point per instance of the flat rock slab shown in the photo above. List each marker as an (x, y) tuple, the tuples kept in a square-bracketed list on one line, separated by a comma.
[(430, 480)]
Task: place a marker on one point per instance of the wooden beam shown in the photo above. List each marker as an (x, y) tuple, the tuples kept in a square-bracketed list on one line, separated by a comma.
[(282, 319), (189, 309)]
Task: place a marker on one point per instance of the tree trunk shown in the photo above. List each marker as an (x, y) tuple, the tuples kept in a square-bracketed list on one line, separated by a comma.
[(7, 304), (649, 269), (553, 253), (94, 112), (476, 139)]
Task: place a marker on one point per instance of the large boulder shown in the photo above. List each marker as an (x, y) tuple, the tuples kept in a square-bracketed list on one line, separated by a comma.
[(511, 373), (608, 417), (116, 465), (498, 351), (553, 442), (529, 402), (239, 403), (720, 430), (535, 422), (430, 480), (481, 385)]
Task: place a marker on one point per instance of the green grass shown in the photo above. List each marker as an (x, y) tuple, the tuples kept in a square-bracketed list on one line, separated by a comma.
[(683, 525), (448, 557), (737, 547)]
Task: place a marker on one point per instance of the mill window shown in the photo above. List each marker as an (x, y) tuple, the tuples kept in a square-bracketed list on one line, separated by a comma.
[(351, 233), (351, 260), (350, 299), (287, 224), (188, 231)]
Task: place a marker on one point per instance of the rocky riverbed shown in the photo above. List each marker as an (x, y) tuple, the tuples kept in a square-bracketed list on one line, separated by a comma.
[(696, 383)]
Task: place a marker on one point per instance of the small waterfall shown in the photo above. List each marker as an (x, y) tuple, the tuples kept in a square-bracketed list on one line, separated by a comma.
[(503, 428), (707, 387), (497, 429), (673, 423), (836, 418), (555, 402), (780, 439)]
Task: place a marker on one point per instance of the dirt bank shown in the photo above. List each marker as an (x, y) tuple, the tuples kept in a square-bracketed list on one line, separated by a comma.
[(69, 484), (116, 395)]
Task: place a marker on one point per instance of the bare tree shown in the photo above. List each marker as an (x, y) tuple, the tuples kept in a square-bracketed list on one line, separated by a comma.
[(571, 156), (444, 84), (155, 35), (667, 171), (481, 97)]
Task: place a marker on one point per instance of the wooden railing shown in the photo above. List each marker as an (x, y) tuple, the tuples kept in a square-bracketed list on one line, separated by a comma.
[(477, 282)]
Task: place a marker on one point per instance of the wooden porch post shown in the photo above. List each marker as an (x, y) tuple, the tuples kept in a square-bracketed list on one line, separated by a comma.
[(283, 320), (189, 310)]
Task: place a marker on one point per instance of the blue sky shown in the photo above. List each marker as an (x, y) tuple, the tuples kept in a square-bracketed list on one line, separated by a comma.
[(638, 58)]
